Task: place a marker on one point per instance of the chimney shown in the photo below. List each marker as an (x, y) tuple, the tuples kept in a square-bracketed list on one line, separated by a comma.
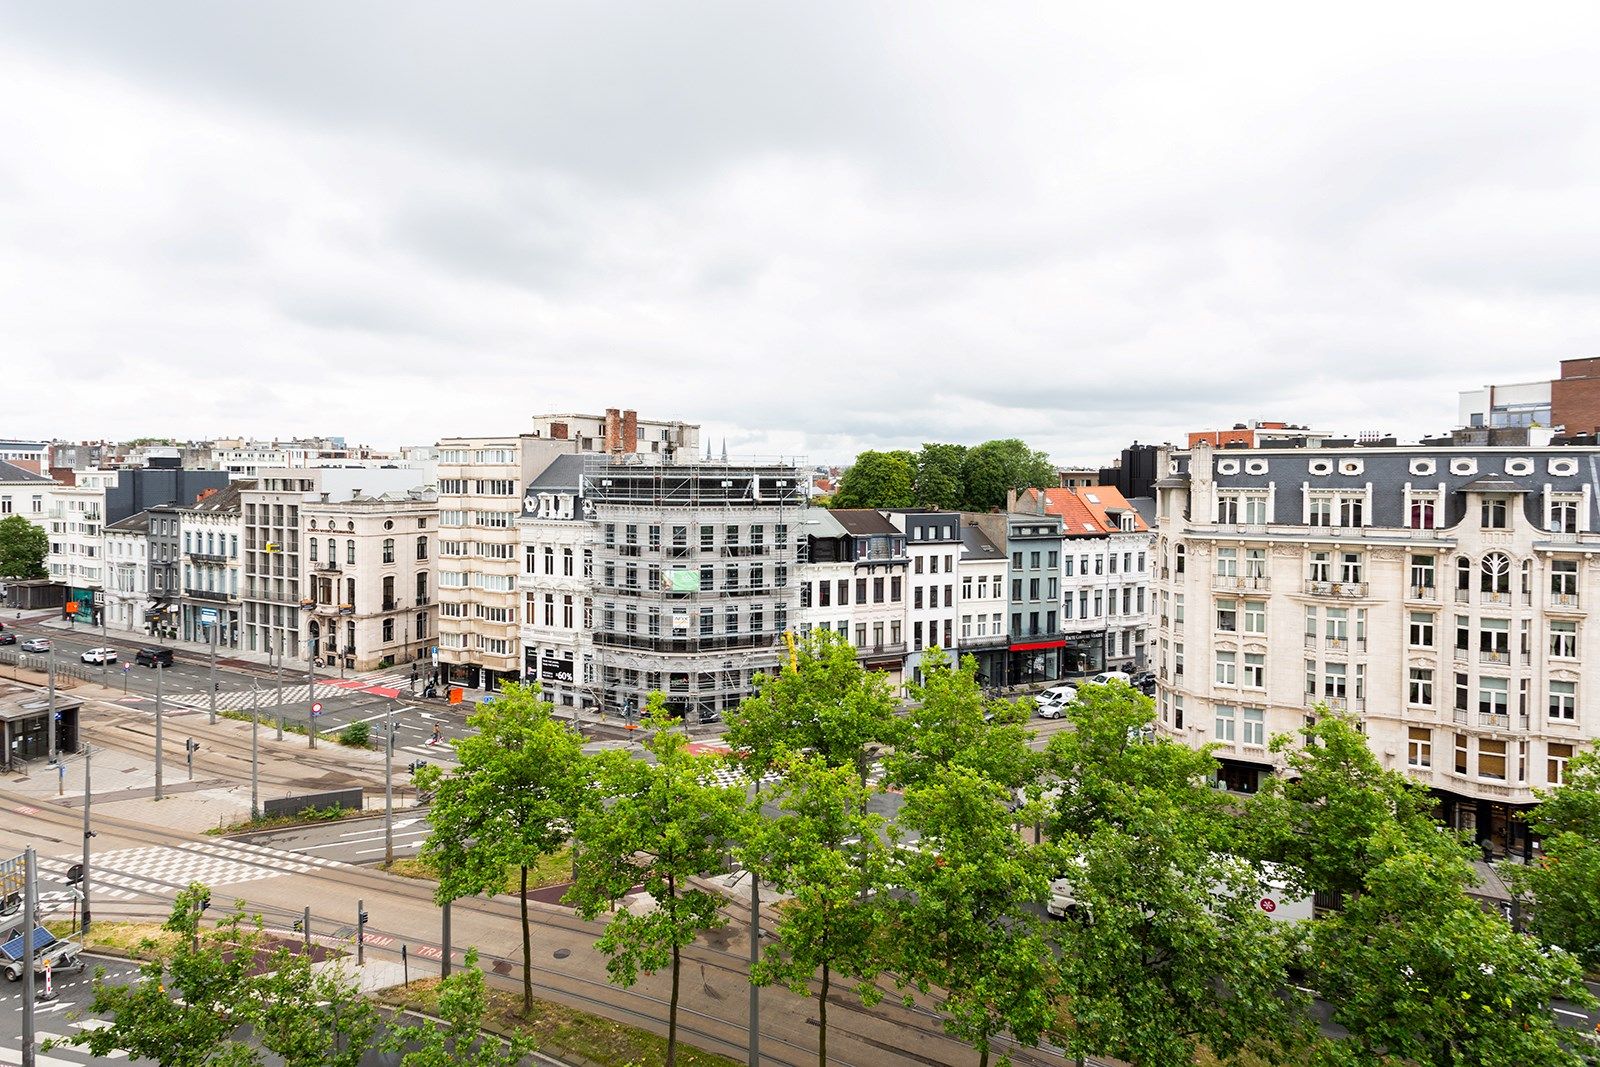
[(558, 431), (205, 494), (613, 434), (630, 432), (1011, 500)]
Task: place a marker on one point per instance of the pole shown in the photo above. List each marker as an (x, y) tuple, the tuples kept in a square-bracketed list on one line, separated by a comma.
[(158, 730), (30, 904), (104, 667), (213, 629), (361, 932), (276, 669), (188, 755), (83, 882), (50, 716), (444, 937), (388, 786), (755, 949), (255, 757), (305, 927), (311, 698)]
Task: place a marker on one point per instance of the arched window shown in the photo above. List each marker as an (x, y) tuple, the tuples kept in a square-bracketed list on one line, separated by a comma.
[(1177, 559), (1527, 576), (388, 550), (1496, 576), (1463, 573), (311, 546)]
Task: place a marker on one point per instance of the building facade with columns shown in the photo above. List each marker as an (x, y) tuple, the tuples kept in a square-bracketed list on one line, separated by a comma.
[(1438, 593)]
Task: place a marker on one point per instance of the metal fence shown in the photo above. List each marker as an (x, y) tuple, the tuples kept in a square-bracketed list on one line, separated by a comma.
[(27, 661)]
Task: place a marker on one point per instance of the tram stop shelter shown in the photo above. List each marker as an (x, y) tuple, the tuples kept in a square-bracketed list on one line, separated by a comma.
[(24, 730)]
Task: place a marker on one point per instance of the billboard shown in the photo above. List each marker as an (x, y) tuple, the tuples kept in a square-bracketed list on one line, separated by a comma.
[(555, 670)]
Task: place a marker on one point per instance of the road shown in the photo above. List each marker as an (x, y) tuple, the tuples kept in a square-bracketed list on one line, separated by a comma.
[(348, 841), (61, 1017)]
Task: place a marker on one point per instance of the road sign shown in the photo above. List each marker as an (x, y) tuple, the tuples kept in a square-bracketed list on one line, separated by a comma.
[(208, 615), (126, 667), (1269, 905), (316, 708)]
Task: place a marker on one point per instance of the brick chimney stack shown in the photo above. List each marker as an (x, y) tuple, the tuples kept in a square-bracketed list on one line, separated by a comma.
[(630, 432)]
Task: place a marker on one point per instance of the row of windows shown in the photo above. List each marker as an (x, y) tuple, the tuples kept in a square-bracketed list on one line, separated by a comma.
[(478, 487), (1424, 511), (1491, 755), (386, 550), (750, 618), (882, 590)]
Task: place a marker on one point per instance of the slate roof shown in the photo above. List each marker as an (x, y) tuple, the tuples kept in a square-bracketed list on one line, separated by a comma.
[(863, 522), (10, 472), (224, 500), (975, 544), (137, 523)]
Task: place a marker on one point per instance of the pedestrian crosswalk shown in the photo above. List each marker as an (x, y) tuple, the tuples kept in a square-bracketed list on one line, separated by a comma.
[(161, 870), (266, 698)]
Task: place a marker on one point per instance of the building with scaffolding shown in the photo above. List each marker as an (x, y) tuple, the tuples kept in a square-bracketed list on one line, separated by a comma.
[(695, 579)]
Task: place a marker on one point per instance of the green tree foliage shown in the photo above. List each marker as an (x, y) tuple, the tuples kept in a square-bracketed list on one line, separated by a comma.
[(1418, 972), (937, 479), (22, 548), (1565, 884), (950, 724), (1321, 816), (962, 929), (825, 703), (509, 801), (877, 480), (660, 824), (990, 470), (826, 850), (460, 1042), (1164, 947), (187, 1005)]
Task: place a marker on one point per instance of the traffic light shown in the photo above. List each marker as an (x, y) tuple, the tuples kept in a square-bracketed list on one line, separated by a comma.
[(416, 765), (191, 745), (361, 917), (299, 926)]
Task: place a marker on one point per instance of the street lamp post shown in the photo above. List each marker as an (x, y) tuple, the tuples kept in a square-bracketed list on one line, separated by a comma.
[(50, 711), (277, 674), (255, 756), (83, 878), (104, 666), (159, 672), (212, 627), (311, 698), (388, 786)]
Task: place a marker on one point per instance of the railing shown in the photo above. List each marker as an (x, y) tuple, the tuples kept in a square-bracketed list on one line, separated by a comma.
[(1463, 596), (1345, 644), (390, 604), (1460, 655), (1240, 582), (1336, 703), (1494, 719), (1339, 589), (677, 645), (1494, 655), (1563, 600), (1424, 592), (1494, 596), (328, 566), (1459, 717), (208, 557), (209, 594), (885, 648)]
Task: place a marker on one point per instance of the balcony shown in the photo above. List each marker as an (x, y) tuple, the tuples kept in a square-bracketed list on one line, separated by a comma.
[(1423, 592), (329, 566), (210, 594), (1463, 596), (1227, 583), (1352, 590), (208, 557), (1494, 655), (883, 648), (1342, 644), (982, 641), (390, 604), (1494, 596), (1494, 720), (1563, 601)]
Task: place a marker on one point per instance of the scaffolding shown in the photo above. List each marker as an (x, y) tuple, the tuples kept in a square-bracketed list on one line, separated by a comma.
[(695, 578)]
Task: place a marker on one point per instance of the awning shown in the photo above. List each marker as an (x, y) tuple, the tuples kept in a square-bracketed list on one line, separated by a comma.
[(1032, 646)]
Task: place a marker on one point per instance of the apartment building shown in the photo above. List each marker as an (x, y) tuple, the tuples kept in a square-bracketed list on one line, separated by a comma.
[(24, 492), (164, 567), (621, 432), (1037, 643), (695, 579), (1439, 592), (212, 529), (76, 522), (854, 581), (556, 533), (1105, 575), (127, 593), (369, 577), (981, 601), (933, 541)]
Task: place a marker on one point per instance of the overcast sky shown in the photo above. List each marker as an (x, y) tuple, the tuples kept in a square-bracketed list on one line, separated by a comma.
[(811, 227)]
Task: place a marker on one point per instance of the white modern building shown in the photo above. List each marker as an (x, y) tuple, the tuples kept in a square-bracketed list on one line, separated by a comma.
[(932, 540), (981, 600), (127, 593), (854, 582), (556, 533), (212, 529), (76, 521), (1440, 593)]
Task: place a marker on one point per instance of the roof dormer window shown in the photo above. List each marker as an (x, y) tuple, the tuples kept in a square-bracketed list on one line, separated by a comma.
[(1494, 513)]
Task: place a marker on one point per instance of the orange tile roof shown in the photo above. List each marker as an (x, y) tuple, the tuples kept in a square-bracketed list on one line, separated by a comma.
[(1083, 511)]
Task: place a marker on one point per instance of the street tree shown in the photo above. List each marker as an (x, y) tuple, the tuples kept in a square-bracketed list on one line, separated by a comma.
[(962, 923), (462, 1001), (22, 548), (823, 702), (662, 822), (1163, 946), (937, 479), (199, 998), (877, 480), (1418, 972), (951, 723), (1322, 815), (990, 470), (509, 800), (826, 850), (1564, 884)]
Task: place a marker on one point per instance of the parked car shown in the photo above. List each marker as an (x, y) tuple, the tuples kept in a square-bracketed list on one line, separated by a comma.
[(149, 657), (99, 655), (36, 644), (8, 639), (1139, 679), (1112, 676), (1053, 701)]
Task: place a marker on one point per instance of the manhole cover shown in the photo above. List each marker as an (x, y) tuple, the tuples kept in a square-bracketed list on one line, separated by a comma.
[(562, 953)]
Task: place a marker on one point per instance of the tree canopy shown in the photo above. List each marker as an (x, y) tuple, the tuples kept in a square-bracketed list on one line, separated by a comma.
[(944, 476), (1564, 885), (22, 548), (877, 480)]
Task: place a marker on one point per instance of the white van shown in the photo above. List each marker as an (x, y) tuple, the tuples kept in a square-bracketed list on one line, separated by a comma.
[(1112, 676), (1275, 899), (1053, 701)]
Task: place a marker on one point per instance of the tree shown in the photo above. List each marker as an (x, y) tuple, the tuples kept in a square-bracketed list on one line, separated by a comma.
[(509, 801), (824, 703), (1565, 884), (1418, 972), (22, 549), (962, 925), (661, 824), (937, 480), (825, 849), (1322, 816), (877, 480), (1163, 946), (463, 999), (990, 470), (188, 1003), (949, 723)]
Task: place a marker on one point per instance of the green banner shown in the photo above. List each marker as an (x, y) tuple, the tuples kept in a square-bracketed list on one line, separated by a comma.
[(683, 581)]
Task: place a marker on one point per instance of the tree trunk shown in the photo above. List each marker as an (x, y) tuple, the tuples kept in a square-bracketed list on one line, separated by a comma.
[(983, 1055), (822, 1020), (672, 1013), (527, 949)]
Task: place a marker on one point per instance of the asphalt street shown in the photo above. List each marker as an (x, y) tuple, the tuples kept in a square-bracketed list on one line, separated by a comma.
[(347, 841), (61, 1017)]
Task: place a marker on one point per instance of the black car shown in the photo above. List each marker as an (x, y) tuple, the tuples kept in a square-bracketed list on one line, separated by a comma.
[(8, 638), (150, 657)]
